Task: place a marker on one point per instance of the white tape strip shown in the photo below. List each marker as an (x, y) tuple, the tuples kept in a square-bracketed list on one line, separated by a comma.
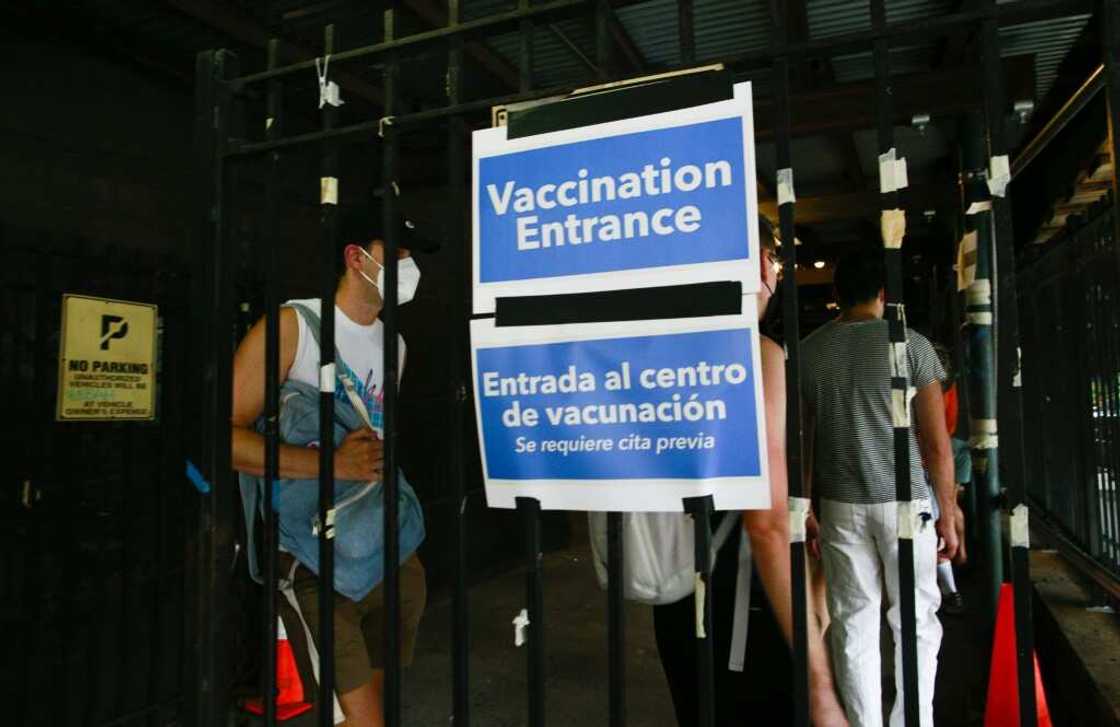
[(328, 90), (1020, 527), (326, 378), (785, 187), (977, 207), (268, 123), (906, 520), (893, 227), (979, 292), (701, 633), (900, 408), (1017, 379), (979, 319), (999, 175), (900, 362), (798, 514), (901, 179), (520, 626), (985, 434), (328, 190), (888, 172)]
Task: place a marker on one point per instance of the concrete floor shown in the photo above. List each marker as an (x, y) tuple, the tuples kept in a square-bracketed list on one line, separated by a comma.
[(576, 654), (576, 657)]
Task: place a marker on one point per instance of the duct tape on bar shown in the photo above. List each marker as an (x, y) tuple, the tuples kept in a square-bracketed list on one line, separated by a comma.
[(328, 90), (999, 175), (701, 633), (977, 207), (328, 190), (900, 406), (326, 378), (798, 515), (900, 362), (979, 293), (785, 187), (907, 520), (892, 172), (892, 224), (1020, 526), (966, 261), (1017, 379), (520, 626), (985, 434)]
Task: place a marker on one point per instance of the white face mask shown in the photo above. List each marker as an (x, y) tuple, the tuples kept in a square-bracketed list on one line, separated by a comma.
[(408, 278)]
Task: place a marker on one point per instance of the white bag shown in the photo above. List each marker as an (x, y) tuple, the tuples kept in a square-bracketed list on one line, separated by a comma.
[(659, 564)]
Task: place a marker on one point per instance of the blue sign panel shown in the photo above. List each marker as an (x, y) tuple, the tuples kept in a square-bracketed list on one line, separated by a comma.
[(670, 406), (652, 198)]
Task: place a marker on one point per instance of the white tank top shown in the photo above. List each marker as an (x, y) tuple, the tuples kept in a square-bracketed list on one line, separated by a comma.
[(362, 351)]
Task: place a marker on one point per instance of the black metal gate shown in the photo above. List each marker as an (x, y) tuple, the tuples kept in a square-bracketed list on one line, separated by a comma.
[(1071, 374), (92, 526), (225, 98)]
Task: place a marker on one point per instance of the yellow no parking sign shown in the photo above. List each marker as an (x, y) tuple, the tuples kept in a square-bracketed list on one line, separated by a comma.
[(106, 362)]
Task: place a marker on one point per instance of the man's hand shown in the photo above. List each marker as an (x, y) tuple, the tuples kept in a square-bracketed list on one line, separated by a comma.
[(360, 457), (948, 534), (813, 535)]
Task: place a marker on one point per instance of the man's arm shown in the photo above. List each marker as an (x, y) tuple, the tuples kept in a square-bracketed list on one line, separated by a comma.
[(248, 402), (769, 535), (359, 457), (937, 453)]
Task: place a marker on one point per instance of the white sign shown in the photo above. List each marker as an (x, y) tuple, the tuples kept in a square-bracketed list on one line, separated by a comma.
[(663, 199)]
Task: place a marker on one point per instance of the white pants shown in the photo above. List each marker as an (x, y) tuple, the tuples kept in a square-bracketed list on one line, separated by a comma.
[(859, 549)]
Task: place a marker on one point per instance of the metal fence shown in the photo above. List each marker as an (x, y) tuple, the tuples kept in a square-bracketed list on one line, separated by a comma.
[(1071, 386), (222, 104), (92, 531)]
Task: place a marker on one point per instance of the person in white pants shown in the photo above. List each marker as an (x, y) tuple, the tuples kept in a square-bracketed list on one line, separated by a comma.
[(846, 388)]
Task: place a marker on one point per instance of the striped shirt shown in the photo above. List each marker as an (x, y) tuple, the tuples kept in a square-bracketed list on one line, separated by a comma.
[(846, 386)]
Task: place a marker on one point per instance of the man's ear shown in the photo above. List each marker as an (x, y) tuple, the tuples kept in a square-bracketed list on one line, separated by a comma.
[(351, 256)]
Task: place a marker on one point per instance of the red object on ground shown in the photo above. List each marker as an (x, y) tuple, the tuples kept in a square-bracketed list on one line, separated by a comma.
[(289, 688), (1003, 686)]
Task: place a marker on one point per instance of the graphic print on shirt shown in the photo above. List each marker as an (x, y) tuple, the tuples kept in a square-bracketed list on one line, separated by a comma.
[(372, 399)]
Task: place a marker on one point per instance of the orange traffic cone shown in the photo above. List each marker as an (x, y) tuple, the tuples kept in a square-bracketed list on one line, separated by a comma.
[(1003, 686), (289, 687)]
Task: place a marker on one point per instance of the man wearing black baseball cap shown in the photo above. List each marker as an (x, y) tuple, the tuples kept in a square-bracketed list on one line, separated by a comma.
[(358, 458)]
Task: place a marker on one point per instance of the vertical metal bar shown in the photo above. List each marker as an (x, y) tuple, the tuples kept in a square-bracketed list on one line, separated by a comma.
[(616, 621), (981, 348), (267, 253), (792, 337), (896, 318), (390, 226), (328, 283), (529, 509), (213, 327), (525, 50), (1010, 397), (456, 173), (701, 510), (686, 32)]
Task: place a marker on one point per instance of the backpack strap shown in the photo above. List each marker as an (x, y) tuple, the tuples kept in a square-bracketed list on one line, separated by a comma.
[(313, 323)]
